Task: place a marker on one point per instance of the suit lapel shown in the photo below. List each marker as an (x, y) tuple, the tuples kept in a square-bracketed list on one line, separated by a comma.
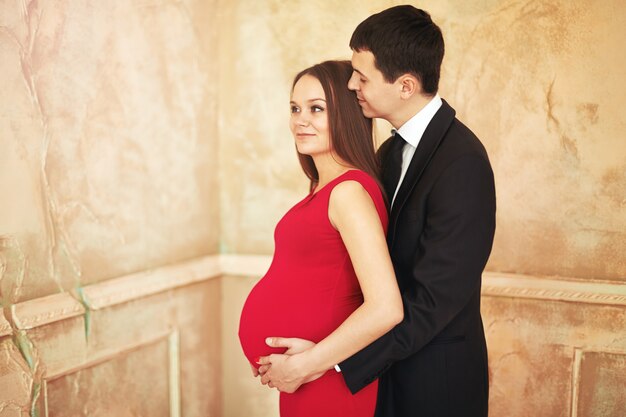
[(433, 135)]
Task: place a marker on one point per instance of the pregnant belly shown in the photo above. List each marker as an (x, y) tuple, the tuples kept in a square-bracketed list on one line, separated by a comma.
[(278, 311)]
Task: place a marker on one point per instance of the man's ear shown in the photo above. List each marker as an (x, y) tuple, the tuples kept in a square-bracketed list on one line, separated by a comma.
[(409, 85)]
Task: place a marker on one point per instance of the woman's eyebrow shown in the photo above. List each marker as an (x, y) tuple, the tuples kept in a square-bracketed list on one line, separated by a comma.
[(310, 100)]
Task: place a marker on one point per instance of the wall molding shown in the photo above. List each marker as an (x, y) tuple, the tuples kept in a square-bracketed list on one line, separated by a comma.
[(495, 284), (45, 310), (545, 288), (52, 308)]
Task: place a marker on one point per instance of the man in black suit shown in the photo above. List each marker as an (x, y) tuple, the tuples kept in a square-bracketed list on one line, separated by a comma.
[(440, 189)]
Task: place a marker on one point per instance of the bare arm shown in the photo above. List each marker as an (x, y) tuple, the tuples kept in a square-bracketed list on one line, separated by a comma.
[(352, 212)]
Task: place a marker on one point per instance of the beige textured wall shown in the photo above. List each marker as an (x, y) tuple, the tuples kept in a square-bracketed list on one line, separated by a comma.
[(267, 43), (540, 82), (108, 165), (108, 137)]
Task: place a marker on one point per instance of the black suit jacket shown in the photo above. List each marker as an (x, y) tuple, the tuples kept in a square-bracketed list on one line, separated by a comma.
[(440, 235)]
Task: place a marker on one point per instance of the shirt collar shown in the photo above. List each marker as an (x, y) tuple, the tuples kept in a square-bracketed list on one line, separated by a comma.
[(413, 129)]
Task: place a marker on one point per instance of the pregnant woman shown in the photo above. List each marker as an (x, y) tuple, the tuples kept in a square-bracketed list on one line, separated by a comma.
[(331, 280)]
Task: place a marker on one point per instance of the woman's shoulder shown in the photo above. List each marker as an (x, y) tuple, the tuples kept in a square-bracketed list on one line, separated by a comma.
[(362, 177), (355, 182), (357, 191), (357, 175)]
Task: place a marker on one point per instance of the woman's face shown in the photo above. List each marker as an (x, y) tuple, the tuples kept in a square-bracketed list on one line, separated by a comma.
[(309, 118)]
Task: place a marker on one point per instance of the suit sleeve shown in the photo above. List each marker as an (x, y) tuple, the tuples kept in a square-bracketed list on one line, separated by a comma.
[(452, 252)]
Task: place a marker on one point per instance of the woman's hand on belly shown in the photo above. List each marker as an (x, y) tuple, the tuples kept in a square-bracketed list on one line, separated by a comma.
[(288, 371), (292, 344)]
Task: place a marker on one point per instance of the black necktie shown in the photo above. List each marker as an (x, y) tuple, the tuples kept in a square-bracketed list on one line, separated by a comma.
[(393, 166)]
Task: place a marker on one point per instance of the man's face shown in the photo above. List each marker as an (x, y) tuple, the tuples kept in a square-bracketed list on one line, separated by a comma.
[(377, 97)]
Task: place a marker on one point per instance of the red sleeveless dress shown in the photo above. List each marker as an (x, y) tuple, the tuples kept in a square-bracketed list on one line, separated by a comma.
[(308, 291)]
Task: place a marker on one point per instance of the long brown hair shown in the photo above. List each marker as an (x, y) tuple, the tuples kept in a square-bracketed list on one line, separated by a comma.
[(350, 132)]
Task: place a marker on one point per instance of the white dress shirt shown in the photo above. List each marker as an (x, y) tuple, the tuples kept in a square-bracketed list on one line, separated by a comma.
[(412, 132)]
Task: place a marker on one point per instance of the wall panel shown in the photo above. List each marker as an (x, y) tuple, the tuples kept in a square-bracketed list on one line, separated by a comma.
[(155, 353)]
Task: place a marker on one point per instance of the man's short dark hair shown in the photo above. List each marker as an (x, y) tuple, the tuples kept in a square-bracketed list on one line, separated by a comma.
[(403, 40)]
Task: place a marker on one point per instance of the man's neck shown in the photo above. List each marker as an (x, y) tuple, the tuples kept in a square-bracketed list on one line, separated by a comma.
[(409, 109)]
